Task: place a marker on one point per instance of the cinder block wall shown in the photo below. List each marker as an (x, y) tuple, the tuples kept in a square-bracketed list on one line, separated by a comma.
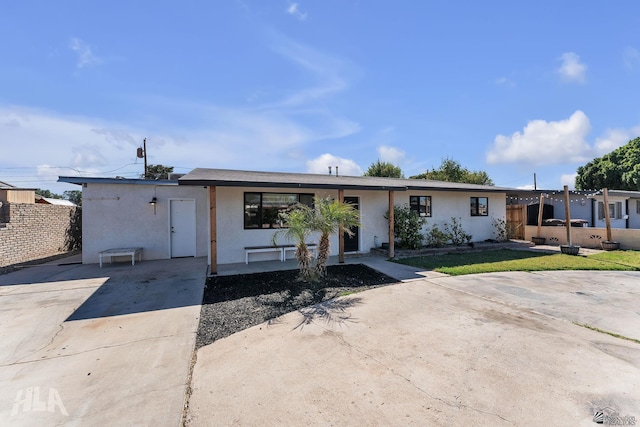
[(33, 231)]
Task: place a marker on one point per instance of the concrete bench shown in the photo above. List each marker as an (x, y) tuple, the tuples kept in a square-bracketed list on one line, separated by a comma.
[(121, 252)]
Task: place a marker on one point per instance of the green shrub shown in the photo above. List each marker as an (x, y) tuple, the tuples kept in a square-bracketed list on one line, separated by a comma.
[(455, 232), (436, 237), (407, 227)]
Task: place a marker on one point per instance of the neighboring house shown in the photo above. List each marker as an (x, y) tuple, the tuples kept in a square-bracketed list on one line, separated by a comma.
[(624, 209), (624, 206), (218, 213), (12, 194), (50, 201), (580, 204)]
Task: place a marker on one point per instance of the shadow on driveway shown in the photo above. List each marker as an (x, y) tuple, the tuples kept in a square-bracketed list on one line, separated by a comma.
[(147, 286)]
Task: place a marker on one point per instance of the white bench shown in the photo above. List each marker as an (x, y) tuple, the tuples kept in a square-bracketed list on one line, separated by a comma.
[(121, 252), (290, 248), (281, 250), (256, 249)]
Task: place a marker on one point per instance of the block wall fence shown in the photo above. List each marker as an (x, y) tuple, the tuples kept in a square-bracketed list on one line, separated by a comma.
[(32, 231)]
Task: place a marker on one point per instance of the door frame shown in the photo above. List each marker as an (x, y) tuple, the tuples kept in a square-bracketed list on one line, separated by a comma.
[(195, 223)]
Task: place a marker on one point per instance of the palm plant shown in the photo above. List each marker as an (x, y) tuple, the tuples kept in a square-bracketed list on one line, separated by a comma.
[(331, 216), (299, 219)]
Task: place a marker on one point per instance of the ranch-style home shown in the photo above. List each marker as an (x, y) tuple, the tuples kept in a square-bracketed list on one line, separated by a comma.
[(230, 216)]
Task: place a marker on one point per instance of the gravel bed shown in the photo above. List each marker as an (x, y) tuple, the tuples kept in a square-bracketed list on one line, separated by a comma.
[(234, 303)]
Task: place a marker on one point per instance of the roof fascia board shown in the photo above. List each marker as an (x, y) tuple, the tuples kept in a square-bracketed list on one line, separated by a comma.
[(286, 185)]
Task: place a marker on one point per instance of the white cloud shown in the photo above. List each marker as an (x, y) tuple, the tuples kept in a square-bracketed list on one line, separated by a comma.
[(526, 187), (568, 180), (631, 57), (390, 154), (268, 135), (572, 70), (614, 138), (321, 165), (294, 10), (85, 55), (543, 142)]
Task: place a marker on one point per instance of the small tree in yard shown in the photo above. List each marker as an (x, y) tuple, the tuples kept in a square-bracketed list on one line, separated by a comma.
[(500, 228), (327, 216), (407, 226), (331, 216), (456, 233), (299, 219)]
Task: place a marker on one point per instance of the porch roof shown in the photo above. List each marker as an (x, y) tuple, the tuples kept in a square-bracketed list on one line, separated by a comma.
[(238, 178)]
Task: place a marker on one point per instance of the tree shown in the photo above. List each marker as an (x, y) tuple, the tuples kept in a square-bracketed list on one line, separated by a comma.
[(74, 196), (452, 171), (48, 194), (158, 172), (620, 170), (327, 217), (384, 169), (299, 219), (331, 216)]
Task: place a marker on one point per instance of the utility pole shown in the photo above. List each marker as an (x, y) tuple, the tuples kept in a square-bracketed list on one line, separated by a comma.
[(535, 184), (142, 152), (145, 157)]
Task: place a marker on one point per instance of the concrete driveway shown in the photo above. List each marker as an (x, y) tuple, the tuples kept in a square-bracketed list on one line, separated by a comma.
[(494, 350), (88, 346)]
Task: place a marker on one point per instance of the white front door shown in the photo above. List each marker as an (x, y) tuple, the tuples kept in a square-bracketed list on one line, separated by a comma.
[(182, 228)]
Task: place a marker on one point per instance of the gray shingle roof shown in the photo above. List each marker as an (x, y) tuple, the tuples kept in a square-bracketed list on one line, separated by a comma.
[(238, 178)]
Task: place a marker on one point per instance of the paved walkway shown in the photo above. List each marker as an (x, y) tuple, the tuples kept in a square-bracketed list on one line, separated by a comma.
[(82, 345)]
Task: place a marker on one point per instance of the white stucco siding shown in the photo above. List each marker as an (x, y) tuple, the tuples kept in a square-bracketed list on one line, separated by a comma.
[(447, 204), (634, 213), (232, 237), (615, 222), (119, 215)]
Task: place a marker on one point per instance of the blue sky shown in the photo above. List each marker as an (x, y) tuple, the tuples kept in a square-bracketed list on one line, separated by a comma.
[(508, 87)]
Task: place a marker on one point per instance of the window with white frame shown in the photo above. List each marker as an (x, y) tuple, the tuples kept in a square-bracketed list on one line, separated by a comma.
[(421, 205), (615, 210)]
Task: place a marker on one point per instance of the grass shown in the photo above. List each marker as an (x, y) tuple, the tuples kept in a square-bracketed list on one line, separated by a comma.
[(517, 260), (613, 334)]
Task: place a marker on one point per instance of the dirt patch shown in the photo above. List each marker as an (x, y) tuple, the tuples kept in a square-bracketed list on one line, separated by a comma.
[(234, 303)]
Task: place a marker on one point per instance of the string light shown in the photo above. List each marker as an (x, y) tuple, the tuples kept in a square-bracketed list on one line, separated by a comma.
[(550, 196)]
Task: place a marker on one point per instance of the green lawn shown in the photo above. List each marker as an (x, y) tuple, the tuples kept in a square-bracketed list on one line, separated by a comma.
[(517, 260)]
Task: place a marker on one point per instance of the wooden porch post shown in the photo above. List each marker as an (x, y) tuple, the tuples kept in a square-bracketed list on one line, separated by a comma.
[(341, 231), (607, 216), (213, 237), (391, 234), (567, 214)]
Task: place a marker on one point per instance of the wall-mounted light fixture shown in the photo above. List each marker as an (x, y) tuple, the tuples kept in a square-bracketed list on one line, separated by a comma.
[(153, 203)]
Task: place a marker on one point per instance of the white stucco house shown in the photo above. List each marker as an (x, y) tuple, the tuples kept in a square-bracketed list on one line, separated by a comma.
[(219, 213)]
